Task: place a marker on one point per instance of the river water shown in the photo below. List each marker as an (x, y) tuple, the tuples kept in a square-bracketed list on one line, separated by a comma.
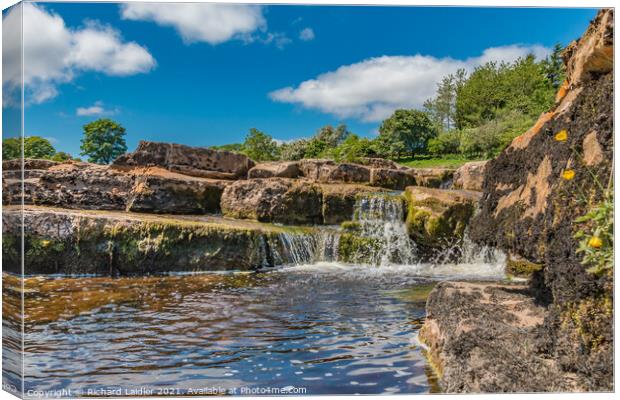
[(311, 326), (314, 329)]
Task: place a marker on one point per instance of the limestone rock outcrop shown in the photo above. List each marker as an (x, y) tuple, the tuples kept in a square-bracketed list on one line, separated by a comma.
[(436, 218), (469, 176), (194, 161), (275, 169), (433, 177), (280, 200), (536, 189)]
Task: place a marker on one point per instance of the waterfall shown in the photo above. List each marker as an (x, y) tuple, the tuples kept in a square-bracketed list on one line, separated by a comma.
[(307, 247), (381, 219)]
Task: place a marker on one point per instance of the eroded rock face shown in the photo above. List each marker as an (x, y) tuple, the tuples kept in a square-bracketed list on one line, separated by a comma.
[(276, 169), (29, 164), (437, 217), (166, 192), (483, 339), (119, 243), (529, 209), (397, 179), (432, 177), (469, 176), (338, 201), (100, 187), (193, 161), (273, 200)]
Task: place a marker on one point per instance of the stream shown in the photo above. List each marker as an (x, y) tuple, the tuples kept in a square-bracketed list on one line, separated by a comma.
[(311, 326)]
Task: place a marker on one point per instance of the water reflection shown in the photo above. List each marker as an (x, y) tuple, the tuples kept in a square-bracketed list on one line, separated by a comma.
[(306, 327)]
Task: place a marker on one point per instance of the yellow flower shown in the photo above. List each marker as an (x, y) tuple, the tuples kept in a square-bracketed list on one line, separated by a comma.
[(561, 136), (595, 242), (568, 174), (45, 243)]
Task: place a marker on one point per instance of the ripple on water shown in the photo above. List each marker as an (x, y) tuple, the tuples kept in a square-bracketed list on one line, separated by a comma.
[(328, 328)]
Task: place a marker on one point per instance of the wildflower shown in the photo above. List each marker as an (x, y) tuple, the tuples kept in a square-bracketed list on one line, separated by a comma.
[(568, 174), (561, 136), (595, 242), (45, 243)]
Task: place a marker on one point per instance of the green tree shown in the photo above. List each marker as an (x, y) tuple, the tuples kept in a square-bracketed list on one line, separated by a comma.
[(103, 141), (554, 68), (445, 143), (260, 147), (295, 150), (332, 136), (389, 145), (11, 148), (353, 148), (61, 156), (34, 147), (411, 127), (315, 148)]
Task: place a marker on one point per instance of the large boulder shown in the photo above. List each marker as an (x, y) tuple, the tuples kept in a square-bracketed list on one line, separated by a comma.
[(339, 201), (535, 190), (469, 176), (77, 185), (437, 217), (380, 163), (397, 179), (314, 169), (160, 191), (195, 161), (433, 177), (279, 200), (275, 169)]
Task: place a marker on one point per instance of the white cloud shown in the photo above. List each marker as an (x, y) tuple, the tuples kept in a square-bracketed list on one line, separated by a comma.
[(55, 54), (200, 22), (372, 89), (95, 109), (306, 34)]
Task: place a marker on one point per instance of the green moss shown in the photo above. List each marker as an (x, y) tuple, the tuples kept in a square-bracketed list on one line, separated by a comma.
[(350, 226), (357, 249), (590, 319), (522, 268)]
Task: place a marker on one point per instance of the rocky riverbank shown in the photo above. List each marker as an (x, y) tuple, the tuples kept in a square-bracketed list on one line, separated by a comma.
[(556, 333)]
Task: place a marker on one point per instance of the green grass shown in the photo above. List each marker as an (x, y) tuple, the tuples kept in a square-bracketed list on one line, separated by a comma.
[(448, 161)]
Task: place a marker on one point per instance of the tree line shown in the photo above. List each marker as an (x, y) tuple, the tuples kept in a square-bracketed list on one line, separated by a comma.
[(473, 115)]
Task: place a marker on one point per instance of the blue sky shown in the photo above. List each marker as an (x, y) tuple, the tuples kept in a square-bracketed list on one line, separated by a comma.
[(205, 76)]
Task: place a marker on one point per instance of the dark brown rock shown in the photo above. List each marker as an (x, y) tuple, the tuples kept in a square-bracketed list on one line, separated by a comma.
[(175, 194), (195, 161), (397, 179), (29, 163), (273, 200), (339, 201)]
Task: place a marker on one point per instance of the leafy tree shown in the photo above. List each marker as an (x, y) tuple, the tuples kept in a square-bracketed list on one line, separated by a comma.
[(353, 148), (389, 145), (445, 143), (11, 148), (61, 156), (411, 127), (442, 108), (315, 148), (34, 147), (295, 150), (332, 136), (554, 68), (103, 141), (260, 147), (38, 147)]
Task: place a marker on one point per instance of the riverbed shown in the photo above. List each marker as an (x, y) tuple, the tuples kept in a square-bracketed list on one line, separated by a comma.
[(313, 329)]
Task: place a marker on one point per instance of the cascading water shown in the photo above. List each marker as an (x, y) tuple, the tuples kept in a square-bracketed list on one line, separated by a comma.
[(381, 218), (305, 248)]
